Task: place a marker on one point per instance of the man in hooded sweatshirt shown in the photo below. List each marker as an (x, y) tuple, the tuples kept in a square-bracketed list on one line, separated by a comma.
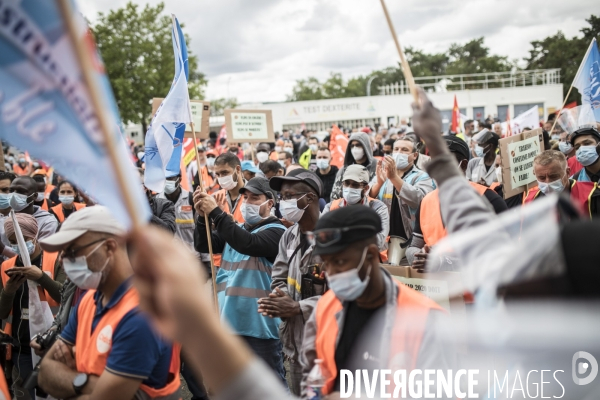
[(359, 151)]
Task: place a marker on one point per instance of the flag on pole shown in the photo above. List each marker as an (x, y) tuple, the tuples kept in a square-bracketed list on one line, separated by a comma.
[(46, 108), (587, 79), (165, 135), (457, 126)]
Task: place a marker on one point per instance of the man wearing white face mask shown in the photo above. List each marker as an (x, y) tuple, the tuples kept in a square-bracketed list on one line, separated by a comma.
[(356, 191), (119, 355), (367, 320), (401, 186), (300, 191), (359, 151), (14, 298), (552, 174), (6, 179), (482, 169), (565, 147), (23, 192), (184, 210), (248, 252)]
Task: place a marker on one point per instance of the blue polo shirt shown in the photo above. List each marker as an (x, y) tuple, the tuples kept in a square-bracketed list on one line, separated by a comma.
[(137, 350)]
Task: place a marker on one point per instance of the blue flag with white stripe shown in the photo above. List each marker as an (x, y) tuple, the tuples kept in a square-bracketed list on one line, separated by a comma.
[(164, 139), (587, 80)]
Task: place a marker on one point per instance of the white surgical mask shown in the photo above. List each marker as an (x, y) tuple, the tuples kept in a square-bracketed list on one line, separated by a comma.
[(210, 162), (290, 211), (289, 149), (401, 160), (479, 152), (18, 202), (79, 273), (262, 156), (227, 182), (552, 187), (66, 200), (313, 147), (282, 163), (40, 197), (171, 186), (358, 153), (352, 196), (565, 147), (278, 148), (347, 286), (322, 163), (251, 212)]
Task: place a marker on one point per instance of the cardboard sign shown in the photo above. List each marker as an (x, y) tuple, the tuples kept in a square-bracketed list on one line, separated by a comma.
[(200, 116), (518, 152), (250, 126)]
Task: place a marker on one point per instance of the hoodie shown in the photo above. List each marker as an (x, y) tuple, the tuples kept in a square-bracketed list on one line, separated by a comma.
[(371, 163)]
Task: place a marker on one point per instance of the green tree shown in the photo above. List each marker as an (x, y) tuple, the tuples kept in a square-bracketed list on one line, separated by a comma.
[(558, 51), (218, 106), (136, 47)]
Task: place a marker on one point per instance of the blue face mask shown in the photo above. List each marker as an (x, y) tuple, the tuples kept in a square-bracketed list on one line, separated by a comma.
[(30, 248), (18, 202), (565, 147), (347, 286), (586, 155), (5, 200), (479, 151)]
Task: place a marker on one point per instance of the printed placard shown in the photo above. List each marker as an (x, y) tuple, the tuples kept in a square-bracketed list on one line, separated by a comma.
[(200, 116), (517, 153), (250, 126)]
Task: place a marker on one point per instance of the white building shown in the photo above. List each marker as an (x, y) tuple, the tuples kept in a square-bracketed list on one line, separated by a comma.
[(478, 96)]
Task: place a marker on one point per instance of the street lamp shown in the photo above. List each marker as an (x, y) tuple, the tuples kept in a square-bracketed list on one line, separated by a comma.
[(369, 84)]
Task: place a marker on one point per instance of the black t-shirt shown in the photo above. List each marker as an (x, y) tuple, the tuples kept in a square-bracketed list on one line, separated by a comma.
[(20, 327), (357, 348), (396, 223)]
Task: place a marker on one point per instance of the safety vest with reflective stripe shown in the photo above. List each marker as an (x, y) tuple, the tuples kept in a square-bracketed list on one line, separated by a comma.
[(432, 226), (93, 349), (60, 214), (48, 263), (581, 194), (410, 319), (237, 216), (241, 281)]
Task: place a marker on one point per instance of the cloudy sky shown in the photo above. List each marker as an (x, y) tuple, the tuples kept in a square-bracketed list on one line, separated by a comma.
[(255, 50)]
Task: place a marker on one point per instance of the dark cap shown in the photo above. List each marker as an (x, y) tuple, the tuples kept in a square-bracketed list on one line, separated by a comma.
[(258, 185), (588, 130), (298, 175), (347, 217), (457, 145)]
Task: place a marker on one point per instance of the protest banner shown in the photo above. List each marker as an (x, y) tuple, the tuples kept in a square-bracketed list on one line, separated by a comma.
[(529, 119), (518, 152), (250, 126), (200, 116)]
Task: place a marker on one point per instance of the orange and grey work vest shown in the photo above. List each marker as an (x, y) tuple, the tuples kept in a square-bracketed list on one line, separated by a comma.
[(432, 226), (410, 319), (48, 262), (93, 350), (237, 216)]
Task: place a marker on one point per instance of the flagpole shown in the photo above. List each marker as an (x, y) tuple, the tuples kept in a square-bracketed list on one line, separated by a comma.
[(85, 64), (405, 67), (206, 222), (558, 112)]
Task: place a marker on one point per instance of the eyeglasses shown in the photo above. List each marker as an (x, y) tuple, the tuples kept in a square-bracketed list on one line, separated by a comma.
[(70, 254), (289, 196), (327, 237)]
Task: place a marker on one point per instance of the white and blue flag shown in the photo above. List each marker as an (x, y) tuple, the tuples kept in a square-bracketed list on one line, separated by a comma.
[(45, 105), (587, 80), (164, 139)]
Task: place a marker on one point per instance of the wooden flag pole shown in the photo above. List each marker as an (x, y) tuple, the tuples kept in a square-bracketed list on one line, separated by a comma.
[(558, 112), (85, 63), (206, 222), (405, 67)]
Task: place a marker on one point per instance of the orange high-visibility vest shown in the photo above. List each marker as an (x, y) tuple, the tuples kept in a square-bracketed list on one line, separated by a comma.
[(207, 180), (4, 393), (93, 350), (432, 226), (44, 205), (494, 185), (237, 216), (58, 210), (22, 171), (48, 262), (410, 319)]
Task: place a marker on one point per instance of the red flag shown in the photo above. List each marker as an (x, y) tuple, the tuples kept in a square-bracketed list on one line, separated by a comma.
[(455, 127), (338, 142)]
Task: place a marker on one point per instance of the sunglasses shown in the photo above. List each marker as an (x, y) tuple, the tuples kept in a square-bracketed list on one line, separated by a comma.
[(70, 254), (327, 237)]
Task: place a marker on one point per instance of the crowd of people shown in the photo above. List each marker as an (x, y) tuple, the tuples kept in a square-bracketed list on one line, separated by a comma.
[(299, 248)]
